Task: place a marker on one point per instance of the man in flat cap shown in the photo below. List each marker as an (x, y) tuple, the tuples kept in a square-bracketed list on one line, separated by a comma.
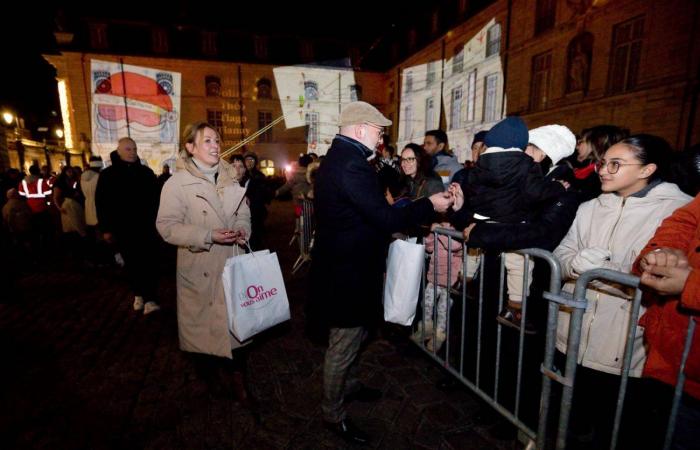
[(353, 228)]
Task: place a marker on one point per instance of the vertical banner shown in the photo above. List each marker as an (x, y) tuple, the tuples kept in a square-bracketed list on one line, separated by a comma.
[(313, 97), (139, 102), (420, 102)]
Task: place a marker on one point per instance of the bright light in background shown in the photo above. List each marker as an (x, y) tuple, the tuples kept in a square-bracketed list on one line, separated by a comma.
[(65, 113), (7, 117), (288, 168), (59, 133)]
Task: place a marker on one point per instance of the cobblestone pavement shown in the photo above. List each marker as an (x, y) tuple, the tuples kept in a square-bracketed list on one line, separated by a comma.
[(82, 370)]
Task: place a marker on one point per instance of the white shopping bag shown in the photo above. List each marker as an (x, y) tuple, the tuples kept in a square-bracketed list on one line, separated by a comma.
[(402, 284), (256, 298)]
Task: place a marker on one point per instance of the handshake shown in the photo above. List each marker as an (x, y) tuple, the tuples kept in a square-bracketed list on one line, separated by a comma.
[(452, 197)]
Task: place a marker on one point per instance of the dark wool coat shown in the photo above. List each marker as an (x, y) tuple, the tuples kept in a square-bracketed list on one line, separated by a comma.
[(353, 226)]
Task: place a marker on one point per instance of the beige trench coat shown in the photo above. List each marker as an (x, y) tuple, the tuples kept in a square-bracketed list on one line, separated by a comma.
[(190, 207)]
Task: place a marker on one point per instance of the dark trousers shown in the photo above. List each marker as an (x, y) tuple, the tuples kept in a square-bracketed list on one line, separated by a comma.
[(340, 370), (141, 265)]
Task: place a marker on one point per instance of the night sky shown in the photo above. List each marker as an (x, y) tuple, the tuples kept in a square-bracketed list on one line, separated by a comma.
[(27, 82)]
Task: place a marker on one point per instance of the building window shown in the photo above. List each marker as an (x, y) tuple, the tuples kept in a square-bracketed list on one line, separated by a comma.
[(98, 35), (462, 6), (209, 43), (429, 113), (313, 132), (412, 37), (541, 80), (264, 119), (490, 96), (409, 82), (310, 90), (159, 40), (545, 13), (355, 92), (578, 65), (407, 122), (212, 85), (215, 119), (264, 87), (306, 50), (430, 79), (625, 55), (260, 47), (435, 22), (493, 40), (458, 60), (456, 108), (471, 95)]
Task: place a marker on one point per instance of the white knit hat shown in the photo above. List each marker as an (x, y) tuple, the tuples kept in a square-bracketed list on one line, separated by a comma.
[(556, 141)]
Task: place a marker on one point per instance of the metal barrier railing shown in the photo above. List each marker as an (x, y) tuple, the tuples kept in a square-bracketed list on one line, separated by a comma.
[(549, 373), (304, 233)]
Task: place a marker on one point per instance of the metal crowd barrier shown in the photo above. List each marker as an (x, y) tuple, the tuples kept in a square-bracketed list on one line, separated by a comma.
[(304, 233), (556, 297)]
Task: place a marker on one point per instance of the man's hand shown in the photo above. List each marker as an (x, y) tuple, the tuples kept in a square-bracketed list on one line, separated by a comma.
[(664, 257), (456, 191), (666, 280), (566, 184), (441, 201)]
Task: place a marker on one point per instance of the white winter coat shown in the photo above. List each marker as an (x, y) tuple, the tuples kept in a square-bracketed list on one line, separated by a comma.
[(622, 226), (191, 207)]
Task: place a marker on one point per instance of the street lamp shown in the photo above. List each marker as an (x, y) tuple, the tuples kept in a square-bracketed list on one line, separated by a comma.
[(8, 117), (59, 133)]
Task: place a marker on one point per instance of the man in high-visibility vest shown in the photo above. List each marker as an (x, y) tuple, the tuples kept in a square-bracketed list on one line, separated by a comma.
[(36, 190)]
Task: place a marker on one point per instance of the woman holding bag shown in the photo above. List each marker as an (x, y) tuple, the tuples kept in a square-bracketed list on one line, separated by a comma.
[(204, 212)]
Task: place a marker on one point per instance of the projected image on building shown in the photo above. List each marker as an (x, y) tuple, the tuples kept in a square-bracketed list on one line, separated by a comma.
[(138, 102), (313, 97)]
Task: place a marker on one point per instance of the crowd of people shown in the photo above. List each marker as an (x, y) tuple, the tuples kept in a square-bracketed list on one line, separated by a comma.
[(604, 198)]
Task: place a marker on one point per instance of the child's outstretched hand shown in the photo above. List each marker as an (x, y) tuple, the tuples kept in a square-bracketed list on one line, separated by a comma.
[(566, 184)]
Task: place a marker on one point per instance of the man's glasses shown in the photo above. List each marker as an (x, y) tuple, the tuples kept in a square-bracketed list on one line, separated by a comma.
[(380, 130), (612, 166)]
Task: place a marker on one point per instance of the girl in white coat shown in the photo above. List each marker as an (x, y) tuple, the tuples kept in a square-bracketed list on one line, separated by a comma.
[(204, 212), (609, 232)]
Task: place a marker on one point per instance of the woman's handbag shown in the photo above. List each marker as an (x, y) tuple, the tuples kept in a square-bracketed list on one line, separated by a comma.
[(256, 298)]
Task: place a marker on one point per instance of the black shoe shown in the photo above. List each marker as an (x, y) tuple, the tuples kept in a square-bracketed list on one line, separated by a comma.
[(364, 394), (348, 431), (512, 317)]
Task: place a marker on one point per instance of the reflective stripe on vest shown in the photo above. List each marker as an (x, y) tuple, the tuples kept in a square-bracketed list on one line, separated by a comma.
[(38, 194)]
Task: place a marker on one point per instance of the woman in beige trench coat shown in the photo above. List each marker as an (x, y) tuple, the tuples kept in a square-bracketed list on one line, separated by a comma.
[(204, 212)]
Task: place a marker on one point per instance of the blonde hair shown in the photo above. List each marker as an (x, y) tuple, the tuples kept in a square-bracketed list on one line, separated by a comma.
[(191, 132)]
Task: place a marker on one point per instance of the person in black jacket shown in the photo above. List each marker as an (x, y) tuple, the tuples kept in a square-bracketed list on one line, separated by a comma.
[(353, 226), (259, 195), (126, 199)]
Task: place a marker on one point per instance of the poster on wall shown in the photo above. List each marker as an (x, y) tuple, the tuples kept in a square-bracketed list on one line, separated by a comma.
[(313, 97), (138, 102)]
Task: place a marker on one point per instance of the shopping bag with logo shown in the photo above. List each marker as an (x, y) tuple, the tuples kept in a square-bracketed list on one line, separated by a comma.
[(402, 284), (256, 298)]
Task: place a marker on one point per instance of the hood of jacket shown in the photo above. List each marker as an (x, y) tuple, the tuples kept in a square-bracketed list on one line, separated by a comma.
[(659, 192)]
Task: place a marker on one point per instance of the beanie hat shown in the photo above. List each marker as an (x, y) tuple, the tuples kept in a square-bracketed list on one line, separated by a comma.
[(556, 141), (479, 137), (510, 132), (96, 162)]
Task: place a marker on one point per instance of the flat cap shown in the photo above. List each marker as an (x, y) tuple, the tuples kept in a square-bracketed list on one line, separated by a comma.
[(356, 113)]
